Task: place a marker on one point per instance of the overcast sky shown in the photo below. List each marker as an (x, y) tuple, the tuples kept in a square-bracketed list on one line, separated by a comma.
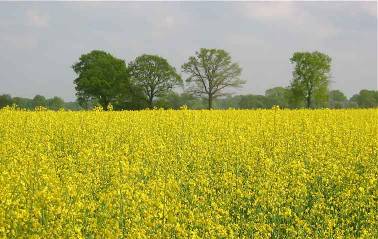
[(40, 41)]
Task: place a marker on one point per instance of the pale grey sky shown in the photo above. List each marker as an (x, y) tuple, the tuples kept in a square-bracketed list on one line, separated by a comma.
[(40, 41)]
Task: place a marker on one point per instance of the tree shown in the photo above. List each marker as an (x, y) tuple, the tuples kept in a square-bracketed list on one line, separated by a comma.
[(23, 103), (352, 102), (337, 99), (366, 99), (175, 101), (210, 72), (133, 100), (85, 101), (55, 103), (310, 78), (5, 100), (278, 96), (154, 75), (39, 100), (227, 102), (72, 106), (101, 77), (254, 102)]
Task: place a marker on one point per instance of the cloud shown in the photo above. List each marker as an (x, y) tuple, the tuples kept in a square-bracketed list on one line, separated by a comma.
[(169, 21), (294, 15), (19, 41), (36, 19), (260, 36), (163, 25), (270, 10)]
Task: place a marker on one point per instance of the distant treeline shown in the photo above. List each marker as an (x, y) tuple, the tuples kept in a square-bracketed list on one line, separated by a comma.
[(149, 81), (274, 96), (54, 103)]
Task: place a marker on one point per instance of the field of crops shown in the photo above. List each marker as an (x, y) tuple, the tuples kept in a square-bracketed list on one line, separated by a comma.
[(189, 174)]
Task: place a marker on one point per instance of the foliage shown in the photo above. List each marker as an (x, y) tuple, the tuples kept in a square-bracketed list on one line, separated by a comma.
[(39, 100), (337, 99), (254, 102), (278, 96), (101, 77), (23, 103), (310, 79), (189, 174), (227, 102), (154, 75), (55, 103), (211, 71), (175, 101), (366, 99), (5, 100), (72, 106)]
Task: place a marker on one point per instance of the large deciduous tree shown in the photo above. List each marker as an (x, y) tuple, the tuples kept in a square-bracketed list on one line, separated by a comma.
[(210, 72), (101, 77), (154, 75), (310, 78)]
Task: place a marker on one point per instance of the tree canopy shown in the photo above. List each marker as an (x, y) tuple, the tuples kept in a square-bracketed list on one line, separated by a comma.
[(366, 99), (278, 96), (154, 75), (101, 77), (54, 103), (337, 99), (150, 81), (39, 100), (5, 100), (210, 72), (310, 78)]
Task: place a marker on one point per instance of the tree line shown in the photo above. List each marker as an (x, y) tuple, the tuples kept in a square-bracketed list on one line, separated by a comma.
[(274, 96), (150, 81), (105, 79), (54, 103)]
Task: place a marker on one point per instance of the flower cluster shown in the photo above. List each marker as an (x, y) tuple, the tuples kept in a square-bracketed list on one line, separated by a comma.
[(189, 174)]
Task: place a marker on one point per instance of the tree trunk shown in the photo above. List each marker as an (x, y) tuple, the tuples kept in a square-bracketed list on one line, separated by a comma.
[(104, 103), (105, 106), (150, 102), (309, 100), (210, 102)]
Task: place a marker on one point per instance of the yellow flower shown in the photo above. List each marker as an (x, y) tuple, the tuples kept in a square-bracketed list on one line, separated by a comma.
[(188, 173)]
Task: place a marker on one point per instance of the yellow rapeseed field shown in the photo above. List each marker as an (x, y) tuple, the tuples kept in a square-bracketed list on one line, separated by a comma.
[(189, 174)]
